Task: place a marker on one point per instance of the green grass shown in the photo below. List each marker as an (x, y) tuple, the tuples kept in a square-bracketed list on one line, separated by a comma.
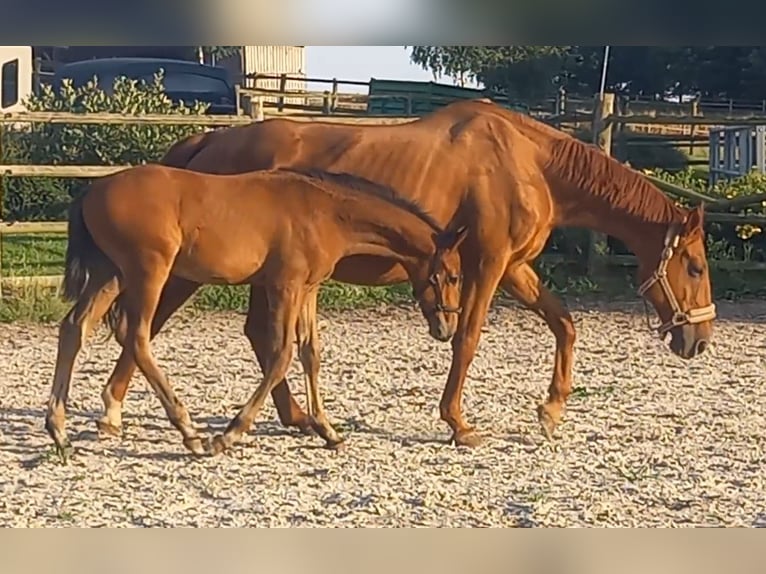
[(33, 254), (43, 254)]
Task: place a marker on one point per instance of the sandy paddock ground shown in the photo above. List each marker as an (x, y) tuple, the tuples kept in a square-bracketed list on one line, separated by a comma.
[(648, 439)]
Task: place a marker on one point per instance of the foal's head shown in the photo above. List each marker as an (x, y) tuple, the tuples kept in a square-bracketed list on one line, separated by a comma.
[(679, 287), (437, 283)]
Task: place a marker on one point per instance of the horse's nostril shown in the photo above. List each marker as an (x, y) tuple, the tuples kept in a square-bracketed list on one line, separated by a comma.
[(701, 346)]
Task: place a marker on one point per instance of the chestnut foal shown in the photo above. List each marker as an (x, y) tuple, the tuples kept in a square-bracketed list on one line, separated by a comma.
[(281, 230)]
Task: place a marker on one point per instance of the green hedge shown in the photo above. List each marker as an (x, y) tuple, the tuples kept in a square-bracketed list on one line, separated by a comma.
[(45, 198)]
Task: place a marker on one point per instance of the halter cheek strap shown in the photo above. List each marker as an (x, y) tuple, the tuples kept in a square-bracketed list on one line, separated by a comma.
[(660, 276)]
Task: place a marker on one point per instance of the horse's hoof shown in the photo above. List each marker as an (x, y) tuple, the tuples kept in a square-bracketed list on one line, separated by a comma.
[(61, 444), (336, 444), (216, 446), (107, 429), (197, 445), (548, 422), (64, 451), (467, 437), (305, 429)]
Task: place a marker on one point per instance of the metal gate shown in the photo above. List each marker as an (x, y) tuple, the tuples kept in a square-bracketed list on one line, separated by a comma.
[(735, 151)]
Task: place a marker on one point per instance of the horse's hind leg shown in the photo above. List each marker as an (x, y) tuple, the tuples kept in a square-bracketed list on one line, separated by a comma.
[(284, 306), (175, 293), (143, 288), (257, 332), (73, 332), (308, 351)]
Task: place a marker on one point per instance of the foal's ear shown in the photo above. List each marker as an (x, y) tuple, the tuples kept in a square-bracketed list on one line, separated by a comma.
[(695, 218), (452, 239)]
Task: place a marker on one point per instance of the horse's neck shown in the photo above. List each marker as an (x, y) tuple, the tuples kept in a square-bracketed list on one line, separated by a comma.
[(385, 230), (642, 234)]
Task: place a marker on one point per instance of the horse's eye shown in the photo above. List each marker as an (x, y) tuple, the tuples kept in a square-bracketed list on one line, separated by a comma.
[(695, 270), (453, 279)]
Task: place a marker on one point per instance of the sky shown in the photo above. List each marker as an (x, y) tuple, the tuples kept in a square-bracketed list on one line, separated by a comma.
[(362, 63)]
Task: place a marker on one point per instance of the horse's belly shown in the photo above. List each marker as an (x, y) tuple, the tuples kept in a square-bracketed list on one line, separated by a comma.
[(369, 270), (223, 266)]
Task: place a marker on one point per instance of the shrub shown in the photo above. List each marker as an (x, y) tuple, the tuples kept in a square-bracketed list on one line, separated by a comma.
[(102, 144)]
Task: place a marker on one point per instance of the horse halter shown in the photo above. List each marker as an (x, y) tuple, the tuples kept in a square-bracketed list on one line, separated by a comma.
[(440, 307), (433, 280), (660, 276)]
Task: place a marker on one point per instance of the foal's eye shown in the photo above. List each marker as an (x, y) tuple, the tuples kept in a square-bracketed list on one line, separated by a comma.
[(453, 279)]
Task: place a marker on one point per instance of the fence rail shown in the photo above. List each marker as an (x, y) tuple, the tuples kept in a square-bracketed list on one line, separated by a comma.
[(603, 122)]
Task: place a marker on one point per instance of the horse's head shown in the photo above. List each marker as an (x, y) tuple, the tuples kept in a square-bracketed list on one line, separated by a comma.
[(437, 283), (678, 287)]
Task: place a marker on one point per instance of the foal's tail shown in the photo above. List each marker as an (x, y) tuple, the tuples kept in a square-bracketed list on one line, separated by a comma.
[(87, 266)]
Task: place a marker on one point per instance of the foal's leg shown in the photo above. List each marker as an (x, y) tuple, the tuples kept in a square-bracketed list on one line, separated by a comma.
[(142, 294), (284, 306), (308, 351), (523, 283), (73, 332), (257, 332), (175, 293)]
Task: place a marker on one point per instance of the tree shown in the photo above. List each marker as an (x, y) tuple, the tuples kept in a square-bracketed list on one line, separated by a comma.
[(737, 72), (215, 53)]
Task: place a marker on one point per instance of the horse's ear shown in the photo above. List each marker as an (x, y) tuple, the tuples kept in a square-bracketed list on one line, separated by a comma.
[(695, 219), (459, 236), (452, 239)]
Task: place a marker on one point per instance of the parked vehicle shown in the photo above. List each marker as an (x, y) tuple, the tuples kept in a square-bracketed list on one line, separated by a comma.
[(183, 80), (15, 77)]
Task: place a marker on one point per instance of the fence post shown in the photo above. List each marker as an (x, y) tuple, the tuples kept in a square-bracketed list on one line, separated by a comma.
[(283, 89), (326, 103), (602, 137), (256, 108), (561, 101), (695, 113), (334, 101)]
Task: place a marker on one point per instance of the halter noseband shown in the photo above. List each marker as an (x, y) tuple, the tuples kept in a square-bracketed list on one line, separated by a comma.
[(433, 280), (660, 276), (440, 307)]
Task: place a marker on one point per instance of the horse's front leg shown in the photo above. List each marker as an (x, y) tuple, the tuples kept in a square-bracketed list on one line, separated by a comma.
[(522, 283)]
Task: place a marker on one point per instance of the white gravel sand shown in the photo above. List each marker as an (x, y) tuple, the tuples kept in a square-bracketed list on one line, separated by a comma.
[(648, 440)]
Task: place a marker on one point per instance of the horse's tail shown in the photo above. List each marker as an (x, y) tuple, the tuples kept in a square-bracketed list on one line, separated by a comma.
[(183, 151), (87, 264)]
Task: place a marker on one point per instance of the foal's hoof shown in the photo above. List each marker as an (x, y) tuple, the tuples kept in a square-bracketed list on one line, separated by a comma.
[(337, 444), (548, 421), (467, 437), (62, 447), (216, 446), (197, 445), (305, 428), (63, 451), (105, 428)]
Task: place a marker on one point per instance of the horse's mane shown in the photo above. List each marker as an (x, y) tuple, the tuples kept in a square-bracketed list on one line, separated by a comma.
[(587, 168), (606, 178), (344, 181)]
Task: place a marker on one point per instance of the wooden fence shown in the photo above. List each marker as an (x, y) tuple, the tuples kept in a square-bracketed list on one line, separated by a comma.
[(602, 122)]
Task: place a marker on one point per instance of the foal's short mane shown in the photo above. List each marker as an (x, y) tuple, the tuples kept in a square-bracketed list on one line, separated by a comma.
[(606, 178), (344, 181)]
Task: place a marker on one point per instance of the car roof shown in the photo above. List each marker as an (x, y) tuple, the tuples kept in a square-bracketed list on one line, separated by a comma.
[(142, 64)]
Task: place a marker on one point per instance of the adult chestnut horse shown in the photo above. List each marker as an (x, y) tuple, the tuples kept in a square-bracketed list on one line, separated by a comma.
[(512, 179), (281, 230)]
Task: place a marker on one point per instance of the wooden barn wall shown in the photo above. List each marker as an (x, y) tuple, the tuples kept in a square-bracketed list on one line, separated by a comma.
[(289, 60)]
